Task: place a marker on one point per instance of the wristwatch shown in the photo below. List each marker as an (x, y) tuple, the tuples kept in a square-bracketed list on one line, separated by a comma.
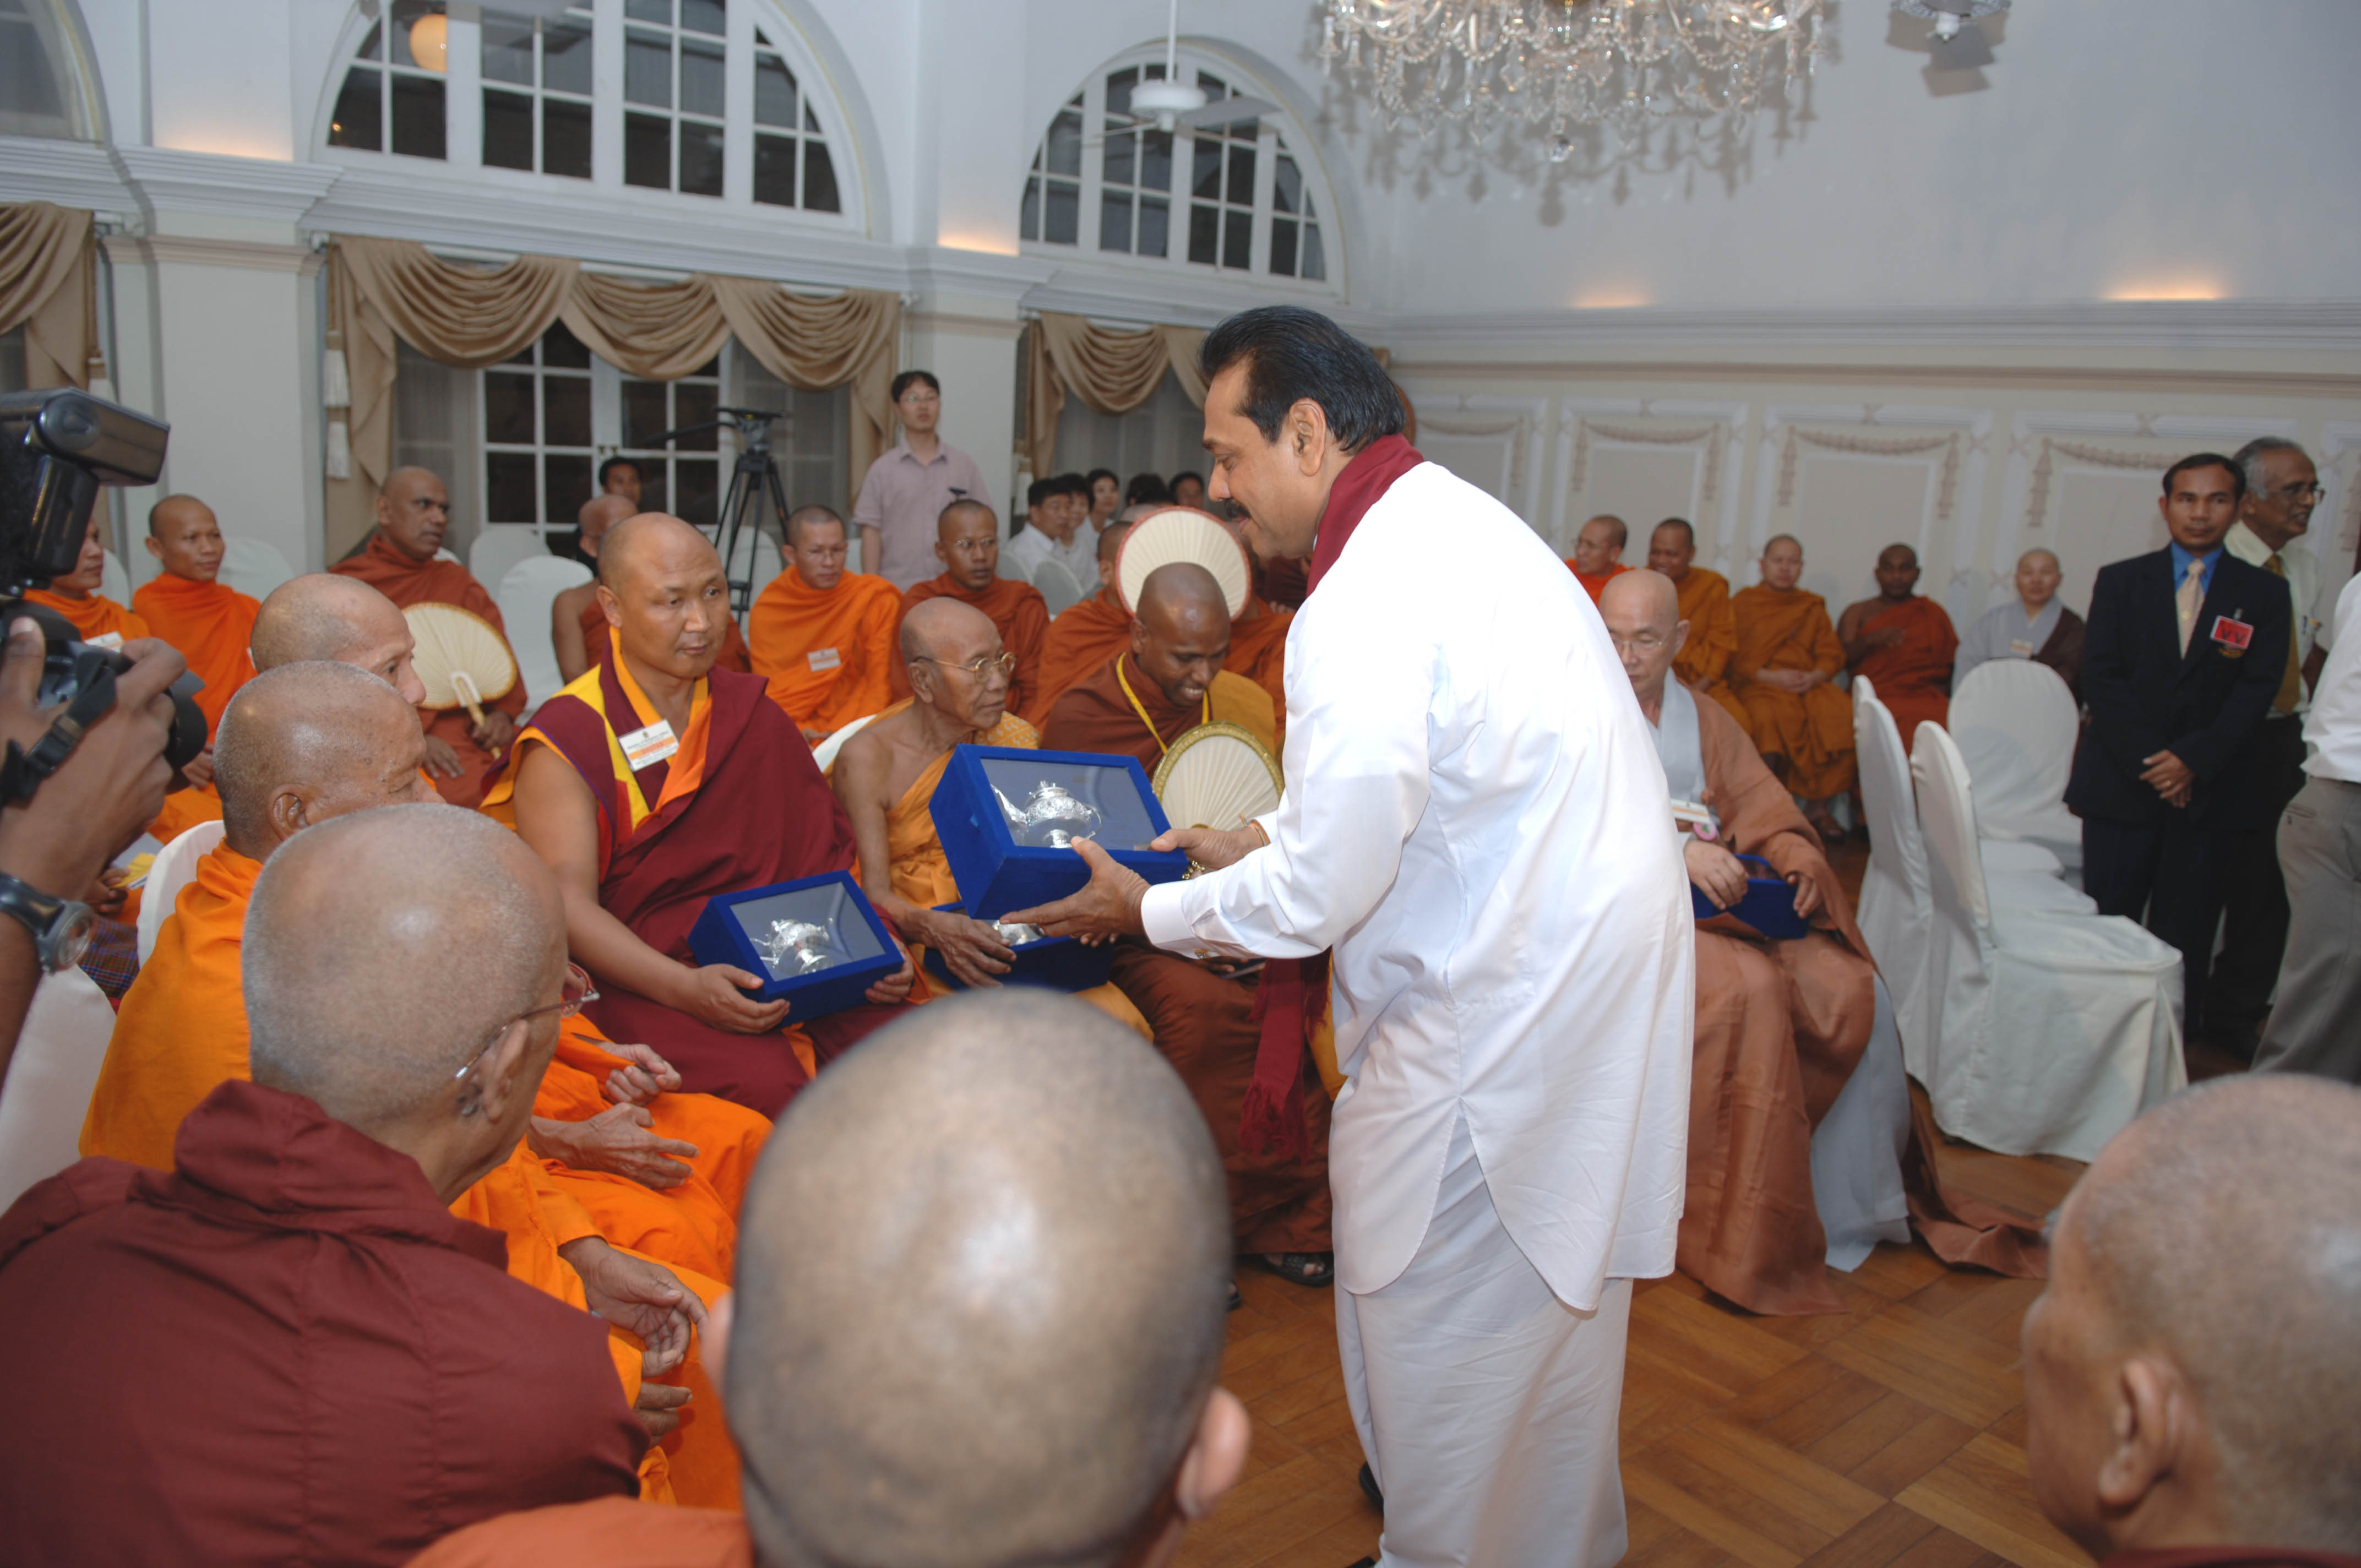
[(62, 928)]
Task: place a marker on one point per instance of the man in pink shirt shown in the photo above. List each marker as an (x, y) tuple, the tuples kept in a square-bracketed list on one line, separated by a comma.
[(908, 489)]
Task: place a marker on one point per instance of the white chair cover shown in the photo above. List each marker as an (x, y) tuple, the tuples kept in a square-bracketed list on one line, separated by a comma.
[(1895, 914), (59, 1053), (446, 553), (526, 592), (2054, 1028), (254, 567), (497, 546), (825, 752), (1857, 1151), (2014, 724), (1057, 584), (174, 867), (114, 581)]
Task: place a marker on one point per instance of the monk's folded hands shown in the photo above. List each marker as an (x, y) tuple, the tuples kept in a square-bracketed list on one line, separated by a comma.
[(643, 1075), (616, 1140)]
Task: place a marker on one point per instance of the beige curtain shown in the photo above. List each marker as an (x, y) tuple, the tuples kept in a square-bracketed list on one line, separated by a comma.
[(48, 262), (473, 316), (1113, 372)]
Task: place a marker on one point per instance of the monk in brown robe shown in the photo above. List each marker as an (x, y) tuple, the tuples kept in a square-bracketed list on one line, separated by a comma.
[(967, 541), (655, 783), (414, 512), (1787, 653), (1780, 1024), (1904, 643), (823, 636), (1166, 683), (1597, 557), (1703, 663), (1088, 633)]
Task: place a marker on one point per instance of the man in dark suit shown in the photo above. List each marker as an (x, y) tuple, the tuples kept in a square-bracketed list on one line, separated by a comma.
[(2186, 649)]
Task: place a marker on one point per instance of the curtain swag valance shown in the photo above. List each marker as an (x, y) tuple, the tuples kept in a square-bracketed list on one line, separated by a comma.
[(1112, 372), (48, 266), (473, 316)]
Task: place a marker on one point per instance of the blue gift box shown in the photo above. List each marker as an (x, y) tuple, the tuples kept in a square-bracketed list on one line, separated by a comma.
[(1001, 865), (858, 952), (1057, 963), (1769, 905)]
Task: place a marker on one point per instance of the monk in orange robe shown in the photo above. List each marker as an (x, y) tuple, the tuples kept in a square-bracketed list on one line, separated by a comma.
[(1902, 644), (1170, 680), (310, 743), (1597, 557), (821, 636), (1787, 653), (414, 512), (967, 541), (1088, 633), (885, 778), (1703, 664), (188, 606)]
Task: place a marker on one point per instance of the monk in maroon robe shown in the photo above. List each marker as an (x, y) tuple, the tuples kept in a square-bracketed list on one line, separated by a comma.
[(1904, 643), (658, 782)]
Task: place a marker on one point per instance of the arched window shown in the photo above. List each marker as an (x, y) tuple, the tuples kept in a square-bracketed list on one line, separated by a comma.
[(47, 87), (706, 98), (1234, 198)]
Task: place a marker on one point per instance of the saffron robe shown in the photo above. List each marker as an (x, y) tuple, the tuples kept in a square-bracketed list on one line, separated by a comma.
[(611, 1532), (1258, 652), (211, 624), (407, 582), (1084, 635), (96, 616), (195, 1326), (1811, 734), (1703, 663), (741, 804), (829, 657), (1780, 1028), (1595, 583), (1017, 608), (1202, 1021), (1909, 675), (597, 633)]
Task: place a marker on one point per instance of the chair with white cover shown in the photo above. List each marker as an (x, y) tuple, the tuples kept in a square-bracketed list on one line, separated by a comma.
[(2053, 1028), (1058, 586), (174, 867), (825, 752), (447, 553), (59, 1053), (526, 592), (497, 546), (254, 567), (2014, 723)]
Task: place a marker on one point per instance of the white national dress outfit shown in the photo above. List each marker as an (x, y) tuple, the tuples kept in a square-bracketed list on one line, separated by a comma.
[(1475, 822)]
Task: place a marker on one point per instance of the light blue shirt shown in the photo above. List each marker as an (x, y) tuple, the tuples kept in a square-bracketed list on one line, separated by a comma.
[(2180, 559)]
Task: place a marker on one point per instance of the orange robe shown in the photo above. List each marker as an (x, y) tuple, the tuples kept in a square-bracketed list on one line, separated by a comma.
[(1258, 652), (407, 582), (1913, 677), (1017, 608), (1703, 663), (211, 624), (596, 633), (1595, 583), (1811, 734), (96, 616), (829, 657), (613, 1532), (1084, 635)]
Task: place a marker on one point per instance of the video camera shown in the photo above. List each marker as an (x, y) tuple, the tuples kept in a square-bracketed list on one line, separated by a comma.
[(58, 447)]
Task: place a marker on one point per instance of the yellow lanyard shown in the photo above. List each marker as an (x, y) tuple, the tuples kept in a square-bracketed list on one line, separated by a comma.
[(1137, 708)]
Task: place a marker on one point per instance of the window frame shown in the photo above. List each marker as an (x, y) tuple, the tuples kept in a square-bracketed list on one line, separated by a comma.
[(64, 50)]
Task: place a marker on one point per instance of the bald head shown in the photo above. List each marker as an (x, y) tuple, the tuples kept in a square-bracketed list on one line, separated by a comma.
[(2037, 576), (1642, 611), (670, 598), (301, 743), (1111, 540), (2211, 1254), (382, 951), (185, 538), (323, 616), (816, 546), (967, 541), (1897, 572), (996, 1352), (599, 516), (1783, 561), (1181, 631)]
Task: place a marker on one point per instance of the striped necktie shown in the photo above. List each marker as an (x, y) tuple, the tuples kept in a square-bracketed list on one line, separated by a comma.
[(2190, 599), (2292, 685)]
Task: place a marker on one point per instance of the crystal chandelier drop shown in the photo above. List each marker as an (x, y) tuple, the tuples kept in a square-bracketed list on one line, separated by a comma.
[(1627, 64)]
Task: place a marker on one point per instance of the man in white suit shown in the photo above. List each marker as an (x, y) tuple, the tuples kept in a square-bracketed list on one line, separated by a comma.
[(1475, 825)]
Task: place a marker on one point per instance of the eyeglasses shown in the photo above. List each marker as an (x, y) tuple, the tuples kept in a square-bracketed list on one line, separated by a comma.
[(2311, 492), (1005, 663), (1646, 643), (576, 993)]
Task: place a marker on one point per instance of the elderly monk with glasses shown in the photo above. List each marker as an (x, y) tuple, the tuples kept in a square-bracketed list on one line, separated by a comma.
[(967, 541)]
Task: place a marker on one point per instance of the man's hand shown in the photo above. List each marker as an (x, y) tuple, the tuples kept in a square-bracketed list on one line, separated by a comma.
[(2169, 777), (659, 1408), (643, 1076), (496, 732), (616, 1140), (971, 950), (895, 987), (109, 787), (1213, 847), (1716, 872), (441, 759), (1808, 897), (199, 770), (107, 894), (1796, 680), (1107, 907), (711, 995), (645, 1299)]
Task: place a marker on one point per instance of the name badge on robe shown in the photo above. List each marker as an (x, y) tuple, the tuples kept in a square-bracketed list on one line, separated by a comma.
[(2233, 635), (106, 640), (644, 747), (823, 659), (2021, 648)]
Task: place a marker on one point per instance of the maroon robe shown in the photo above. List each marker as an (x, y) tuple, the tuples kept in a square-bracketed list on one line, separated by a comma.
[(287, 1349)]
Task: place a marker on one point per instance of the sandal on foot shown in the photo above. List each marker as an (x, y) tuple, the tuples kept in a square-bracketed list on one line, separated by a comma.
[(1310, 1269)]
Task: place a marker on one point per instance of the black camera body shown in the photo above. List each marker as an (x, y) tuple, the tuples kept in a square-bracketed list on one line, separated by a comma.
[(58, 448)]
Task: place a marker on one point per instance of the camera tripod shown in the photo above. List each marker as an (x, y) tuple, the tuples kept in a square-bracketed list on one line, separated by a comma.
[(755, 480)]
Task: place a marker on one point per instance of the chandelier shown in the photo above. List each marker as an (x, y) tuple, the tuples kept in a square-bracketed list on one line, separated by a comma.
[(1627, 64)]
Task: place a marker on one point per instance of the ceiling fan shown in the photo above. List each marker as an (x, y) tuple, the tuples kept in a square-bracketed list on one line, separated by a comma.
[(1174, 104)]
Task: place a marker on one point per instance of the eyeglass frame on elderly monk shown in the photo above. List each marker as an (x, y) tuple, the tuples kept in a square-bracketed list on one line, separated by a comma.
[(577, 993), (1005, 663)]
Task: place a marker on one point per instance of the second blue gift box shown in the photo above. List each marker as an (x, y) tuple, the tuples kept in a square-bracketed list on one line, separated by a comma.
[(1008, 819), (815, 941)]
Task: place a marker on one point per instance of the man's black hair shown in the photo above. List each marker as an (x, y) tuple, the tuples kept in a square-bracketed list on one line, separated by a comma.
[(1073, 485), (1683, 524), (1096, 475), (1293, 354), (1040, 490), (1186, 474), (2208, 460), (611, 463), (1146, 489), (902, 382)]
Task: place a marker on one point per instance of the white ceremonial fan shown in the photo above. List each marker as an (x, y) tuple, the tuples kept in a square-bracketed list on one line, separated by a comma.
[(1183, 534), (1217, 775), (461, 660)]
